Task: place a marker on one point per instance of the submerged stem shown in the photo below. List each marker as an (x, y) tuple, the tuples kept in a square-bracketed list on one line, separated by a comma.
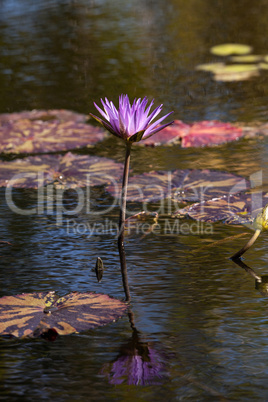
[(122, 219), (247, 246)]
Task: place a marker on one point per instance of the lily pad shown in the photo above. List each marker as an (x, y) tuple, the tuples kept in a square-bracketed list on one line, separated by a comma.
[(236, 72), (168, 136), (198, 134), (34, 135), (237, 68), (228, 49), (257, 129), (210, 67), (263, 66), (179, 185), (207, 133), (250, 58), (233, 209), (68, 171), (33, 314), (60, 115)]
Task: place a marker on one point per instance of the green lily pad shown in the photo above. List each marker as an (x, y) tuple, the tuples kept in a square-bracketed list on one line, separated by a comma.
[(210, 66), (68, 171), (263, 66), (34, 314), (251, 58), (228, 49), (236, 72), (237, 68)]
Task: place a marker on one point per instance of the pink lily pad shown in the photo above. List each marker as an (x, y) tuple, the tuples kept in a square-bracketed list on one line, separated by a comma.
[(68, 171), (179, 185), (199, 134), (168, 136), (41, 132), (35, 314), (207, 133)]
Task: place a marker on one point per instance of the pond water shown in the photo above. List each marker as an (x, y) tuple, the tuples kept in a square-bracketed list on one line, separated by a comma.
[(193, 307)]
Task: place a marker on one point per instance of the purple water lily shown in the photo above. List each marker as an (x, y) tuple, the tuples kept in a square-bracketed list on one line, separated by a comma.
[(130, 122)]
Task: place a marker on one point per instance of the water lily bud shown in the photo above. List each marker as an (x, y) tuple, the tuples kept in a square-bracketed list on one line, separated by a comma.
[(261, 220)]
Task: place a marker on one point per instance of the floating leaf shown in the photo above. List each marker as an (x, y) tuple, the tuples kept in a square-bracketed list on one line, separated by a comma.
[(236, 72), (209, 66), (168, 136), (203, 133), (228, 49), (68, 171), (233, 209), (212, 132), (60, 115), (179, 185), (263, 66), (242, 76), (33, 135), (251, 58), (33, 314)]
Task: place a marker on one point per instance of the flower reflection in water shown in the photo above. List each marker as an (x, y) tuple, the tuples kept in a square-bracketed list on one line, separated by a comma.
[(138, 363)]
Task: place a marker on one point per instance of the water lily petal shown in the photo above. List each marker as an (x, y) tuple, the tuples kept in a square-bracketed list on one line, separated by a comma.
[(130, 122)]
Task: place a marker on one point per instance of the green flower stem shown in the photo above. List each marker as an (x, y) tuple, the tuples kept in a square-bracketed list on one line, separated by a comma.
[(122, 219), (247, 246)]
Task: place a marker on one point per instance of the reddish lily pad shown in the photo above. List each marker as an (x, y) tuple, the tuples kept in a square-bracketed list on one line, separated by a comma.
[(68, 171), (168, 136), (40, 135), (233, 209), (204, 133), (207, 133), (33, 314), (199, 134), (179, 185)]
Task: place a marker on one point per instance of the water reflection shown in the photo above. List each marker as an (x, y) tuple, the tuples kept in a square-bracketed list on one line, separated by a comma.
[(68, 53), (138, 362), (65, 54), (261, 282)]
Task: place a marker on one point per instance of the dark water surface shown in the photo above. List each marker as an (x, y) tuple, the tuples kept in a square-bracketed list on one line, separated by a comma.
[(193, 306)]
